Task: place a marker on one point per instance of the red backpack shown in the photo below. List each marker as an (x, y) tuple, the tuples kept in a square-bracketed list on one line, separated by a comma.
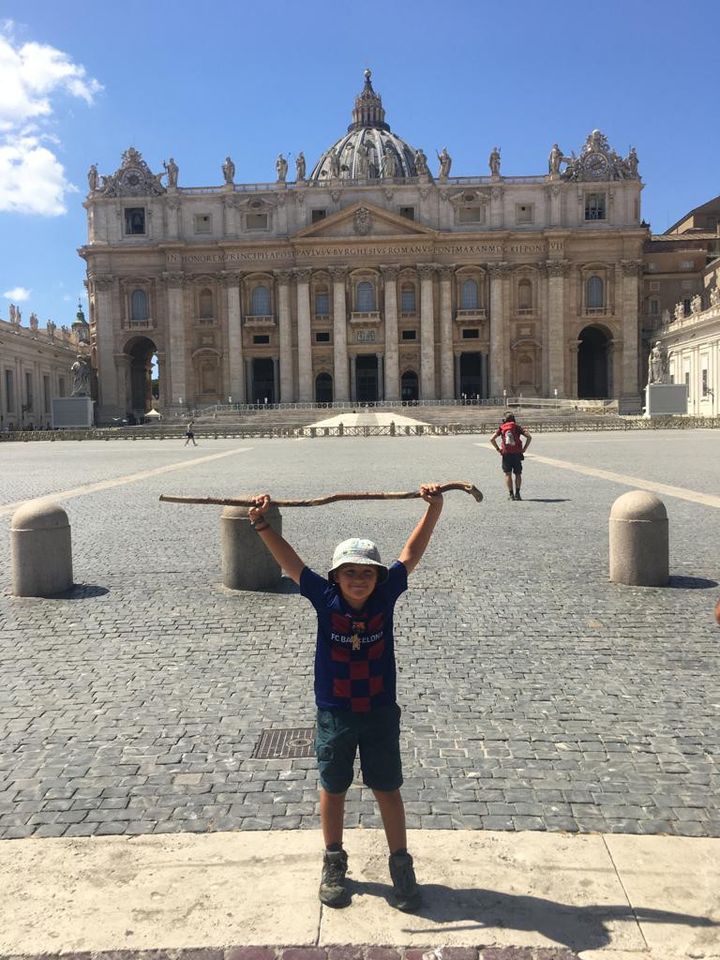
[(510, 441)]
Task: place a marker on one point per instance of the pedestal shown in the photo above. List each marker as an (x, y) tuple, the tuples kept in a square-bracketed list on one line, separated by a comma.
[(68, 412), (663, 399)]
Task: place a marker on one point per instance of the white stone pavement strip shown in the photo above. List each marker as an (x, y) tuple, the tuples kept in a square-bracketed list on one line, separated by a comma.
[(81, 491), (666, 489), (650, 898), (368, 418)]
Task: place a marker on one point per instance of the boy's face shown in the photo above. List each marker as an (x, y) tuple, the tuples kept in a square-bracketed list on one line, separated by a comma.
[(356, 582)]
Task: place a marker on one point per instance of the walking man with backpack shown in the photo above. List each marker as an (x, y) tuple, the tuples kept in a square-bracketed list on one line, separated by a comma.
[(512, 451)]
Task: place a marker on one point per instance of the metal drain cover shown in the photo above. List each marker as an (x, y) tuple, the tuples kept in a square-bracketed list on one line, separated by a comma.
[(286, 744)]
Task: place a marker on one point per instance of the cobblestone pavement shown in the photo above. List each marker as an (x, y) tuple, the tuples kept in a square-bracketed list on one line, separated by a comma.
[(536, 695)]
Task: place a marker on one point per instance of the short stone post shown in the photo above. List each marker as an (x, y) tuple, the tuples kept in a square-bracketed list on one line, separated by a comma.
[(246, 562), (639, 540), (41, 550)]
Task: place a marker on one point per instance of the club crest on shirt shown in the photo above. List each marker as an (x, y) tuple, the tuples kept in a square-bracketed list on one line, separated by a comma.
[(356, 632)]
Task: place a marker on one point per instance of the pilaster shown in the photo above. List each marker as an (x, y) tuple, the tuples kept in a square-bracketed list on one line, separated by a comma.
[(340, 351), (557, 274), (304, 334), (236, 370), (285, 335), (447, 384), (426, 272), (392, 336)]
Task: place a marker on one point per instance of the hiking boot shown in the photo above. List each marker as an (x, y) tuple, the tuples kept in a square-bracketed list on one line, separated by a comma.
[(333, 891), (406, 893), (517, 496)]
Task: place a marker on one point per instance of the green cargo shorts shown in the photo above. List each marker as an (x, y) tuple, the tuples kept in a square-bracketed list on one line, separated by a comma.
[(340, 733)]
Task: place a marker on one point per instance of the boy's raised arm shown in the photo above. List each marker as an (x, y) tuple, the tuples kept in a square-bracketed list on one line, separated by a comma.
[(277, 545), (420, 537)]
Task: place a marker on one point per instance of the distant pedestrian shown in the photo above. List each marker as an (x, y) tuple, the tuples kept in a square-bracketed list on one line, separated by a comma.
[(189, 435), (512, 451)]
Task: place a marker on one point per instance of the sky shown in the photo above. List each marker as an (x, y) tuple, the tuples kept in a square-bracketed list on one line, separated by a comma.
[(81, 83)]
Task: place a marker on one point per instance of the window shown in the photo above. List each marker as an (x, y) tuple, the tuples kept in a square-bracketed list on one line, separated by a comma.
[(317, 215), (470, 215), (407, 212), (409, 335), (524, 212), (205, 305), (322, 302), (261, 338), (29, 399), (365, 297), (470, 333), (138, 306), (525, 295), (256, 221), (594, 206), (595, 293), (469, 295), (407, 299), (10, 391), (61, 386), (260, 302), (203, 223), (322, 336), (134, 220)]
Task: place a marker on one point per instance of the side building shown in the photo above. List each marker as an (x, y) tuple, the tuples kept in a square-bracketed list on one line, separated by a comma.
[(35, 367), (370, 278)]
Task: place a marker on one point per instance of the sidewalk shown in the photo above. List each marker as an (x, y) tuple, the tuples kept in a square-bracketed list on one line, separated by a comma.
[(608, 896)]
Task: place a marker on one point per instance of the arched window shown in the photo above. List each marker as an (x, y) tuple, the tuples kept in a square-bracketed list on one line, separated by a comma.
[(525, 294), (365, 297), (595, 293), (138, 306), (322, 302), (469, 295), (205, 304), (407, 298), (260, 302)]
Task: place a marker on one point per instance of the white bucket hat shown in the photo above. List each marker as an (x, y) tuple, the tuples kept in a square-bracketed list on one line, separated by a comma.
[(362, 552)]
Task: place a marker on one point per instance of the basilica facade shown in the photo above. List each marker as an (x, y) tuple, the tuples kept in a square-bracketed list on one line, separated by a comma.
[(368, 277)]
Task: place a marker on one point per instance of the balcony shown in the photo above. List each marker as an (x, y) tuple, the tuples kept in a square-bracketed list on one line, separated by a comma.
[(368, 316), (470, 316), (259, 321)]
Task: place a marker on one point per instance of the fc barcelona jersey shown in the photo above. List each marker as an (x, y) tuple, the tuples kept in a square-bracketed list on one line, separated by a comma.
[(355, 653)]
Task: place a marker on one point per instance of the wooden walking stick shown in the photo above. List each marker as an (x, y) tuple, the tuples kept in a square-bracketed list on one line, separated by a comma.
[(331, 498)]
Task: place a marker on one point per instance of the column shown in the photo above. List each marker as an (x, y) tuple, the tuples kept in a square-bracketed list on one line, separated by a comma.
[(392, 336), (172, 207), (557, 275), (447, 387), (286, 394), (340, 352), (630, 271), (427, 332), (497, 329), (304, 334), (122, 378), (381, 376), (236, 366), (107, 379), (176, 328)]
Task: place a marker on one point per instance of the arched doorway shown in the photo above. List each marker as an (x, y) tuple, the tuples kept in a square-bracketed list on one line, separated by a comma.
[(323, 388), (140, 388), (471, 378), (409, 386), (593, 364)]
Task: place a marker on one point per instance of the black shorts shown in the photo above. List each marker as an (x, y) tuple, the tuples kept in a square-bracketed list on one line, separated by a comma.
[(340, 733), (512, 463)]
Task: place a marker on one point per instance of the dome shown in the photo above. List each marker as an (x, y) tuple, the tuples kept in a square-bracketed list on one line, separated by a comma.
[(369, 150)]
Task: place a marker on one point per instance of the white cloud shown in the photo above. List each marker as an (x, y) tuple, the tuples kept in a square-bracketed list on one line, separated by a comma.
[(17, 294), (32, 75)]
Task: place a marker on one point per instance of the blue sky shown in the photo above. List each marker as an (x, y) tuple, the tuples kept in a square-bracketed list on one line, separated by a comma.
[(79, 83)]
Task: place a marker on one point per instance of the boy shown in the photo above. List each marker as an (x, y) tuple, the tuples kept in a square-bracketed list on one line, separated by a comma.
[(512, 451), (355, 687)]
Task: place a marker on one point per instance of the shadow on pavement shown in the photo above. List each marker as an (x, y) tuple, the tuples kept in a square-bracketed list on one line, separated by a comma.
[(545, 500), (578, 928), (691, 583)]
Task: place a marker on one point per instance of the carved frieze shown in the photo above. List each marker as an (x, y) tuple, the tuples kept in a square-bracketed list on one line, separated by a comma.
[(303, 274), (557, 268), (390, 272), (498, 271), (631, 268), (283, 276), (338, 273), (362, 221), (426, 271), (174, 279)]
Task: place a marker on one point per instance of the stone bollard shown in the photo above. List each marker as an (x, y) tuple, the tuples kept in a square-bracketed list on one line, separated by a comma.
[(639, 540), (41, 550), (246, 562)]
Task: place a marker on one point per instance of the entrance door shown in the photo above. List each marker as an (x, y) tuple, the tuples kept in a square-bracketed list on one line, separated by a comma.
[(323, 388), (471, 384), (593, 364), (409, 390), (263, 385), (366, 378)]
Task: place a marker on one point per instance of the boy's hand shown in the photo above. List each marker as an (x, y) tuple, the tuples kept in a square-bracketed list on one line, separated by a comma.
[(261, 504), (430, 492)]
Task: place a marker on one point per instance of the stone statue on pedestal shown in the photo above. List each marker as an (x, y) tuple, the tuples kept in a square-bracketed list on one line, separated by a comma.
[(300, 166), (658, 364), (93, 178), (172, 170), (228, 169), (445, 163), (494, 162), (81, 377), (281, 167)]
